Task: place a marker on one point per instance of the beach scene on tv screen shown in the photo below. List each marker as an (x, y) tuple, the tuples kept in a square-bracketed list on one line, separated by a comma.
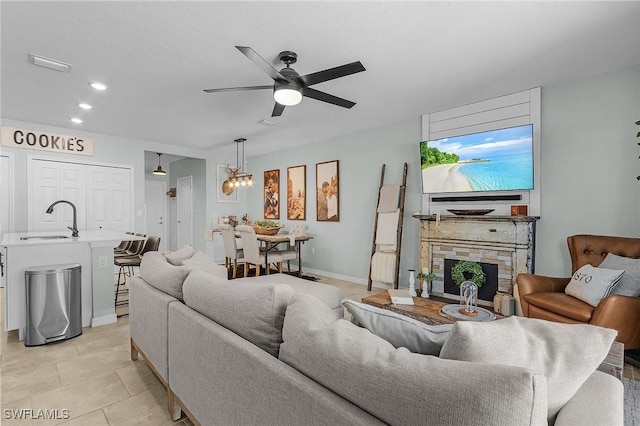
[(496, 160)]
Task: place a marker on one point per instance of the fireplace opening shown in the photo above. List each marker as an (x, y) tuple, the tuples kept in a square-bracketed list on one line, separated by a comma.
[(488, 289)]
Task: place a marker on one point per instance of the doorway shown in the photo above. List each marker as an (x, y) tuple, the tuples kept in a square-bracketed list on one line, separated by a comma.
[(155, 204), (185, 212)]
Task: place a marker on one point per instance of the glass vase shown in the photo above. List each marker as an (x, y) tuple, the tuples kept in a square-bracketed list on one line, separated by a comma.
[(468, 296)]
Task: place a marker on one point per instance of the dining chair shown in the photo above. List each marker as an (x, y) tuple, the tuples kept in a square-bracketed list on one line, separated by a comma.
[(252, 253), (292, 252), (231, 250)]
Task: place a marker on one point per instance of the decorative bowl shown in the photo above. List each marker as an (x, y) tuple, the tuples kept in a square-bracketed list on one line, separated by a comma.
[(267, 231)]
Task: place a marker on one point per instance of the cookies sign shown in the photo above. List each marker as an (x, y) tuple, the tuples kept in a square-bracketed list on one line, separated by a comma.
[(42, 141)]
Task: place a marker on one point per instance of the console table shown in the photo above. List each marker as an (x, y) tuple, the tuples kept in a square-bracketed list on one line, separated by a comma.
[(506, 241)]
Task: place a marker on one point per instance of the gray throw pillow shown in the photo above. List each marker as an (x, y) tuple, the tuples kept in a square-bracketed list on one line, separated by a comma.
[(591, 284), (399, 330), (164, 276), (252, 311), (567, 354), (176, 257), (204, 263), (629, 284), (400, 387)]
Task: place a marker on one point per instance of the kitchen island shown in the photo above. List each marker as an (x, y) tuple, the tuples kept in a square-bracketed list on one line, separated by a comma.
[(93, 250)]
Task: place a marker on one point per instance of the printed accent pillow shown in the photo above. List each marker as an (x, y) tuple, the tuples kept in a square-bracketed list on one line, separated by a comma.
[(591, 284), (399, 330), (629, 284), (567, 354)]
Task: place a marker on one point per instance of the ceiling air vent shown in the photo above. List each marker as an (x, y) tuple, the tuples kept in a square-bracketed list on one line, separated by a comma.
[(49, 63), (266, 122)]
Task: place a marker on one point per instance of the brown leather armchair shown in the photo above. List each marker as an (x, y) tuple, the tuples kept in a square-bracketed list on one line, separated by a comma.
[(544, 297)]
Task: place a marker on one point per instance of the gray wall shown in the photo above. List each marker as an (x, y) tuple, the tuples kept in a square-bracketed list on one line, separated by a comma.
[(589, 161)]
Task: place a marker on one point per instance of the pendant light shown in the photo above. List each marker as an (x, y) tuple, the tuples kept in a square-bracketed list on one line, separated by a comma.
[(237, 176), (159, 170)]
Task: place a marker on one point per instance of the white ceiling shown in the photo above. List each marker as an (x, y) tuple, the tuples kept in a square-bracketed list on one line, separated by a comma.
[(156, 57)]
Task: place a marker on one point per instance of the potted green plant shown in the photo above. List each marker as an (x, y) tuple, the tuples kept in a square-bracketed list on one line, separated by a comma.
[(425, 280)]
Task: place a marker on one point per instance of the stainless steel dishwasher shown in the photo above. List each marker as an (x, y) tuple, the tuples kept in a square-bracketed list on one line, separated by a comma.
[(54, 303)]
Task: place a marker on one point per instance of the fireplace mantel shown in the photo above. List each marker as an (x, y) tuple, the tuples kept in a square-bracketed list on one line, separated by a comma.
[(508, 241)]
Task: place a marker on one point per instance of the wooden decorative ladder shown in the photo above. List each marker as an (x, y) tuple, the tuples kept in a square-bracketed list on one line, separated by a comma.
[(401, 199)]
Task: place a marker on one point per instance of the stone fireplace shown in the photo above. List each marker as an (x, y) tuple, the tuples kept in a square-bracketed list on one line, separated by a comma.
[(504, 244)]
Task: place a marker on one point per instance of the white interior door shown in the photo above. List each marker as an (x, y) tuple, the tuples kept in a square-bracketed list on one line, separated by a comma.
[(185, 212), (155, 201)]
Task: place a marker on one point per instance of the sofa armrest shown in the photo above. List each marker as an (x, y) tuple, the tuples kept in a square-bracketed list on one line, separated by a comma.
[(620, 313), (530, 283), (599, 401)]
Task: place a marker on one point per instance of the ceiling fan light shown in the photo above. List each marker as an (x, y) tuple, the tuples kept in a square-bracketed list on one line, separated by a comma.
[(287, 96)]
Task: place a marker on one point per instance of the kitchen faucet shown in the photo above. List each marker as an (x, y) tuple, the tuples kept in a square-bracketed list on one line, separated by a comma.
[(74, 230)]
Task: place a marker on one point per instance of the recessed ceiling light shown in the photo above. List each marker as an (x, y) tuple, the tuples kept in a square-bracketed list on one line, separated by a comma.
[(49, 63), (85, 106), (76, 120), (98, 86)]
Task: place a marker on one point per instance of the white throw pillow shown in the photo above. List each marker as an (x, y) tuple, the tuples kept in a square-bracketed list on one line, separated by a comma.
[(629, 284), (591, 284), (203, 262), (176, 257), (399, 330), (567, 354)]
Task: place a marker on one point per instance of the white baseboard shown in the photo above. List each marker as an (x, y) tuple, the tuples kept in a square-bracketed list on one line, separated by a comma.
[(355, 280), (104, 320)]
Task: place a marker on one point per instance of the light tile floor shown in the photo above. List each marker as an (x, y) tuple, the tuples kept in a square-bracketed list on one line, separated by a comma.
[(92, 376)]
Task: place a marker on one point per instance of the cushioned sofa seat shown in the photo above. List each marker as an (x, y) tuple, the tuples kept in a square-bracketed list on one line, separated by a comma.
[(560, 304)]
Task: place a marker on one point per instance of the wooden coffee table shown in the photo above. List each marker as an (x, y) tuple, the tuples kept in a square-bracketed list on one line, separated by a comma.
[(424, 310)]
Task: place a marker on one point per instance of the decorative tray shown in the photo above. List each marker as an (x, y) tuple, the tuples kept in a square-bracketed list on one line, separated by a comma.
[(454, 312), (477, 212)]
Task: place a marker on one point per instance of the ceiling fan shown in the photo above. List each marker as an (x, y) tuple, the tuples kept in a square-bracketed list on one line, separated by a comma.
[(289, 87)]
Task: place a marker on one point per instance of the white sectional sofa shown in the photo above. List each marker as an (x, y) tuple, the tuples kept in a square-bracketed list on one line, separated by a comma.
[(275, 350)]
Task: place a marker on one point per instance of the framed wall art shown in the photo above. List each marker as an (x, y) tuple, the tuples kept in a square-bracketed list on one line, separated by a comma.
[(296, 192), (327, 192), (225, 192), (272, 194)]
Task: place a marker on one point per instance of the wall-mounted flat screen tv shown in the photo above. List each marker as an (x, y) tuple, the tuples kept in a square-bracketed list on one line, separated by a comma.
[(496, 160)]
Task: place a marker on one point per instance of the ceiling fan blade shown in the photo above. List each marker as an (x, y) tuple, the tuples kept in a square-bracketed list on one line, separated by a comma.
[(260, 62), (277, 110), (332, 73), (236, 89), (325, 97)]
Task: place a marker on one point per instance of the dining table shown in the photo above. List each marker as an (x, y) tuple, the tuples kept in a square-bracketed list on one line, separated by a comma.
[(271, 243)]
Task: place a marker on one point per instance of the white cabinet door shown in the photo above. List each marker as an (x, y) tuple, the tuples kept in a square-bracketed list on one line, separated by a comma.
[(51, 181), (5, 199), (101, 194), (108, 198)]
